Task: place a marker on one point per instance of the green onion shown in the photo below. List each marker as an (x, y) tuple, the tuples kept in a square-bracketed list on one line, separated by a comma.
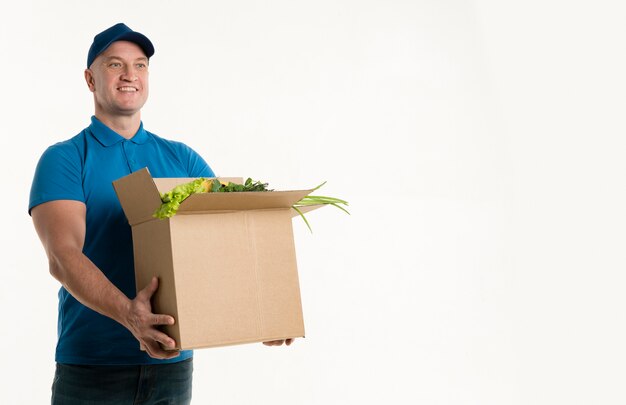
[(318, 200)]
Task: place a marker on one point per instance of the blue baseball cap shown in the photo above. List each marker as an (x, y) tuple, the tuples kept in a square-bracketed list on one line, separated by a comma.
[(118, 32)]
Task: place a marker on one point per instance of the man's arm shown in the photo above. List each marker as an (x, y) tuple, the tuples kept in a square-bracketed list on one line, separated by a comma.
[(61, 228)]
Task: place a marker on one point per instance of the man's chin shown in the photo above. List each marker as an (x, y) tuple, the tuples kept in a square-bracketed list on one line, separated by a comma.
[(129, 111)]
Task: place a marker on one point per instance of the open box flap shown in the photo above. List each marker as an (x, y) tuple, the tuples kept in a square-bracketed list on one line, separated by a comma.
[(236, 201), (138, 195)]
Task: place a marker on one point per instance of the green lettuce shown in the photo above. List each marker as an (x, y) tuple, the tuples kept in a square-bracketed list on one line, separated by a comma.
[(172, 199)]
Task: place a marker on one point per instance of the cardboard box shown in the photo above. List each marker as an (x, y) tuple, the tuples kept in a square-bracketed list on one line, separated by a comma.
[(226, 262)]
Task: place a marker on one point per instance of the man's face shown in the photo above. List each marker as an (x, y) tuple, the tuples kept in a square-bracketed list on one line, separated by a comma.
[(118, 77)]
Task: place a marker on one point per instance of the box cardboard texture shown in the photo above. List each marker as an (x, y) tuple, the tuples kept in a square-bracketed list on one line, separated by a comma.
[(226, 262)]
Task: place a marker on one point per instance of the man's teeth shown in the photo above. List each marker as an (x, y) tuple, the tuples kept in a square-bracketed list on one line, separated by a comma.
[(127, 89)]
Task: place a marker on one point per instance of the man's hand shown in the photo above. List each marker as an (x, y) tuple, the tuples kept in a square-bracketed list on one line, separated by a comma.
[(142, 323), (278, 342)]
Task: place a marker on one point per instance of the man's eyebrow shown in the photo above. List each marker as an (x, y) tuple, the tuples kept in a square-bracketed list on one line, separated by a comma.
[(108, 58)]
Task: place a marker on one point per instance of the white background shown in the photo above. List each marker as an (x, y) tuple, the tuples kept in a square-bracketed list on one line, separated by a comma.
[(480, 144)]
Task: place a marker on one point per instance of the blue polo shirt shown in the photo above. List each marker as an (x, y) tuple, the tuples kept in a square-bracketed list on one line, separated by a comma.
[(82, 169)]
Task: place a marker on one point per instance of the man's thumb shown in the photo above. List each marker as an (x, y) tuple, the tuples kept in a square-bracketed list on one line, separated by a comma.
[(152, 286)]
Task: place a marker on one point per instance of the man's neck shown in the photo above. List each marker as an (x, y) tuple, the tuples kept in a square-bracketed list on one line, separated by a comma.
[(126, 126)]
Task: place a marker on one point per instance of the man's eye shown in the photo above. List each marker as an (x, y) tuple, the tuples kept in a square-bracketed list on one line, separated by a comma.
[(141, 65), (115, 64)]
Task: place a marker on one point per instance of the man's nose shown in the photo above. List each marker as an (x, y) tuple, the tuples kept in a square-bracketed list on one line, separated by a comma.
[(129, 74)]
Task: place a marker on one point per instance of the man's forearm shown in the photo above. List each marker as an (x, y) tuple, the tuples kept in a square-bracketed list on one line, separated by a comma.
[(89, 285)]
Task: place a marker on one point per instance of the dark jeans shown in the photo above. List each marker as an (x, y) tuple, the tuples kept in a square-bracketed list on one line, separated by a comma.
[(160, 384)]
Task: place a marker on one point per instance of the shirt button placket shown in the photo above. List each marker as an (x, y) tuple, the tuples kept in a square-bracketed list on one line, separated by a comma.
[(129, 154)]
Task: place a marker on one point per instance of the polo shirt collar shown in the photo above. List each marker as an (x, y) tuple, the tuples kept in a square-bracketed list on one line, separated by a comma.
[(107, 137)]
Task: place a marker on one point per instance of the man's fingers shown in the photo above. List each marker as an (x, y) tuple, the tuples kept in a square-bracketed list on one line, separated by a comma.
[(154, 350), (148, 290), (158, 319), (159, 346), (165, 340), (278, 342)]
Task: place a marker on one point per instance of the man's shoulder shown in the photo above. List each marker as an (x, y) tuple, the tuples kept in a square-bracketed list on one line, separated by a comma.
[(164, 140), (176, 145), (190, 161), (68, 148)]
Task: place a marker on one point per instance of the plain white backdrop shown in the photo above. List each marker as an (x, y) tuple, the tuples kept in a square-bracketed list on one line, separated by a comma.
[(479, 143)]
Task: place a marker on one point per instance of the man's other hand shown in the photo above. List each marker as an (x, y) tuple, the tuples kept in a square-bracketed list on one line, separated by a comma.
[(278, 342)]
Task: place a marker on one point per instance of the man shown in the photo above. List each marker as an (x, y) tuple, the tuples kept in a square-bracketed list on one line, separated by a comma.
[(110, 349)]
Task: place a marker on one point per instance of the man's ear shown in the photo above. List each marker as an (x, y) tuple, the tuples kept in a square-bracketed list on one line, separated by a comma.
[(90, 81)]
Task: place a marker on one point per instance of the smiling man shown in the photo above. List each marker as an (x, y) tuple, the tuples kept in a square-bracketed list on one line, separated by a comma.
[(118, 78), (110, 349)]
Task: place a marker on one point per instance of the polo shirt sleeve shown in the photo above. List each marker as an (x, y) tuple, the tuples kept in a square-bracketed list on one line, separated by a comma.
[(58, 176)]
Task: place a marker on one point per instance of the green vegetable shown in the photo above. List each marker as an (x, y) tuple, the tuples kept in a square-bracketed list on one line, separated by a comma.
[(317, 200), (172, 199), (247, 186)]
